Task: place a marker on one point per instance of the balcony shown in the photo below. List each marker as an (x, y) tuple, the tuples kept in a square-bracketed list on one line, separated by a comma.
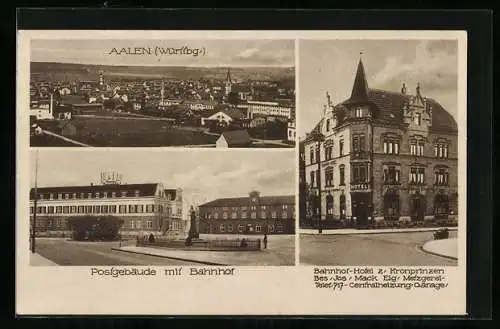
[(392, 182)]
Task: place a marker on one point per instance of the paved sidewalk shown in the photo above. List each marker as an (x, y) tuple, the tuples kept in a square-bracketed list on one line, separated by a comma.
[(343, 231), (38, 260), (445, 247), (241, 258)]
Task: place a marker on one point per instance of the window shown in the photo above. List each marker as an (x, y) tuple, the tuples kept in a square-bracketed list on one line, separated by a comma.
[(88, 209), (65, 209), (358, 143), (417, 148), (51, 196), (327, 124), (313, 176), (270, 228), (341, 147), (244, 214), (74, 195), (391, 175), (80, 210), (31, 210), (240, 228), (417, 175), (342, 206), (138, 224), (132, 224), (263, 215), (359, 173), (216, 215), (328, 152), (284, 206), (224, 215), (66, 196), (329, 176), (50, 209), (149, 224), (229, 227), (253, 215), (105, 195), (258, 228), (73, 210), (342, 175), (391, 147), (441, 177), (234, 215), (58, 209), (97, 195), (137, 193), (140, 208), (97, 209), (417, 119), (82, 195), (89, 195), (222, 228), (244, 208), (124, 193), (358, 112), (284, 215), (131, 209), (311, 154), (441, 150), (59, 196), (263, 207), (104, 209), (253, 207), (112, 209), (273, 215)]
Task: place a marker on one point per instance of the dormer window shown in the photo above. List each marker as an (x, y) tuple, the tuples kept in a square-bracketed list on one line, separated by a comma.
[(417, 119), (105, 194), (51, 196), (137, 193), (124, 193), (358, 112), (113, 194)]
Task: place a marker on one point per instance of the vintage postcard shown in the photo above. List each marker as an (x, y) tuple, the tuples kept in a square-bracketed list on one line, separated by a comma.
[(305, 173)]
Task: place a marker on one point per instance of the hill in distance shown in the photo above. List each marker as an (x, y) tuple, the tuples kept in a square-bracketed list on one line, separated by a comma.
[(66, 71)]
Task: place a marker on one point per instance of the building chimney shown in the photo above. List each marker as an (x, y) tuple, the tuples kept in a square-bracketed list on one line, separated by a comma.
[(403, 89)]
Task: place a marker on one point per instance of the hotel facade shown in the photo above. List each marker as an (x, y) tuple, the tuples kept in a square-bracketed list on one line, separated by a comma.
[(381, 155), (142, 207), (253, 214)]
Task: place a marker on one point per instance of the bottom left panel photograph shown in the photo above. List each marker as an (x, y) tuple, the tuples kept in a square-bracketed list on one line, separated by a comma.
[(160, 207)]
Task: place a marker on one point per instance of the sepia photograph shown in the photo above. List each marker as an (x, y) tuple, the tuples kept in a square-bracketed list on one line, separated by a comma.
[(157, 93), (378, 152), (171, 207)]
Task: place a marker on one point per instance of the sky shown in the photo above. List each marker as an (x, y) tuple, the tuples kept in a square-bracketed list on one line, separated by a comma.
[(330, 65), (216, 52), (204, 175)]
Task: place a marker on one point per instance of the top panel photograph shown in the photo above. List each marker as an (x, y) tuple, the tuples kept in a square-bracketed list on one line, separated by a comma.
[(162, 93)]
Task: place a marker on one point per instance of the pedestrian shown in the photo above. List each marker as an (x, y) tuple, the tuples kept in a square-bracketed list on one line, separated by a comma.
[(265, 241)]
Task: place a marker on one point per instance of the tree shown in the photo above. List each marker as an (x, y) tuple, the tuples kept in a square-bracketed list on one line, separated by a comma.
[(94, 228)]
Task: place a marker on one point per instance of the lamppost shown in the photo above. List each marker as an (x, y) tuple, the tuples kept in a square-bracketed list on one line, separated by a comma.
[(318, 137)]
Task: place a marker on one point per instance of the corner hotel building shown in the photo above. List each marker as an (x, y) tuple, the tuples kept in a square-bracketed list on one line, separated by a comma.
[(148, 207), (383, 155)]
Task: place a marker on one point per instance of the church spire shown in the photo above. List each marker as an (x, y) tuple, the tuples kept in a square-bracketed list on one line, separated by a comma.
[(228, 77), (360, 87)]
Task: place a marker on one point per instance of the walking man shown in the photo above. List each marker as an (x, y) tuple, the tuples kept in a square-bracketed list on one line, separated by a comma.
[(265, 241)]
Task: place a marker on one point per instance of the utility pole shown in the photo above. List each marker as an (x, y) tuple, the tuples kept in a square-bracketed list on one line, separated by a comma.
[(33, 224)]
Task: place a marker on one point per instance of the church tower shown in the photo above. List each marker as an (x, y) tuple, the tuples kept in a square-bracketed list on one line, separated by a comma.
[(359, 102), (228, 82)]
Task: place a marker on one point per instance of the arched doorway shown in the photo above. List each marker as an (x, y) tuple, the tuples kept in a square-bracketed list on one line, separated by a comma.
[(391, 205), (417, 207), (441, 206), (360, 202)]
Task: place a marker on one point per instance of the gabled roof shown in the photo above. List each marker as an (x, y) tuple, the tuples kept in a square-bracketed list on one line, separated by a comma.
[(236, 137), (245, 201), (144, 189), (230, 111)]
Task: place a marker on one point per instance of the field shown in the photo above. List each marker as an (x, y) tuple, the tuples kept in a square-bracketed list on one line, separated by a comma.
[(123, 132)]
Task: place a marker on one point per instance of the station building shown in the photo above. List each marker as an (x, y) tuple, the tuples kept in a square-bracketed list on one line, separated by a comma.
[(143, 207), (253, 214), (382, 155)]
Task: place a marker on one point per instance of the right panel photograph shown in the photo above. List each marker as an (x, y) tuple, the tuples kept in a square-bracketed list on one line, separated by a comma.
[(378, 152)]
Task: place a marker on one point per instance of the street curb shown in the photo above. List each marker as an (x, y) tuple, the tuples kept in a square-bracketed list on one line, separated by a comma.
[(435, 253), (361, 232), (169, 257)]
